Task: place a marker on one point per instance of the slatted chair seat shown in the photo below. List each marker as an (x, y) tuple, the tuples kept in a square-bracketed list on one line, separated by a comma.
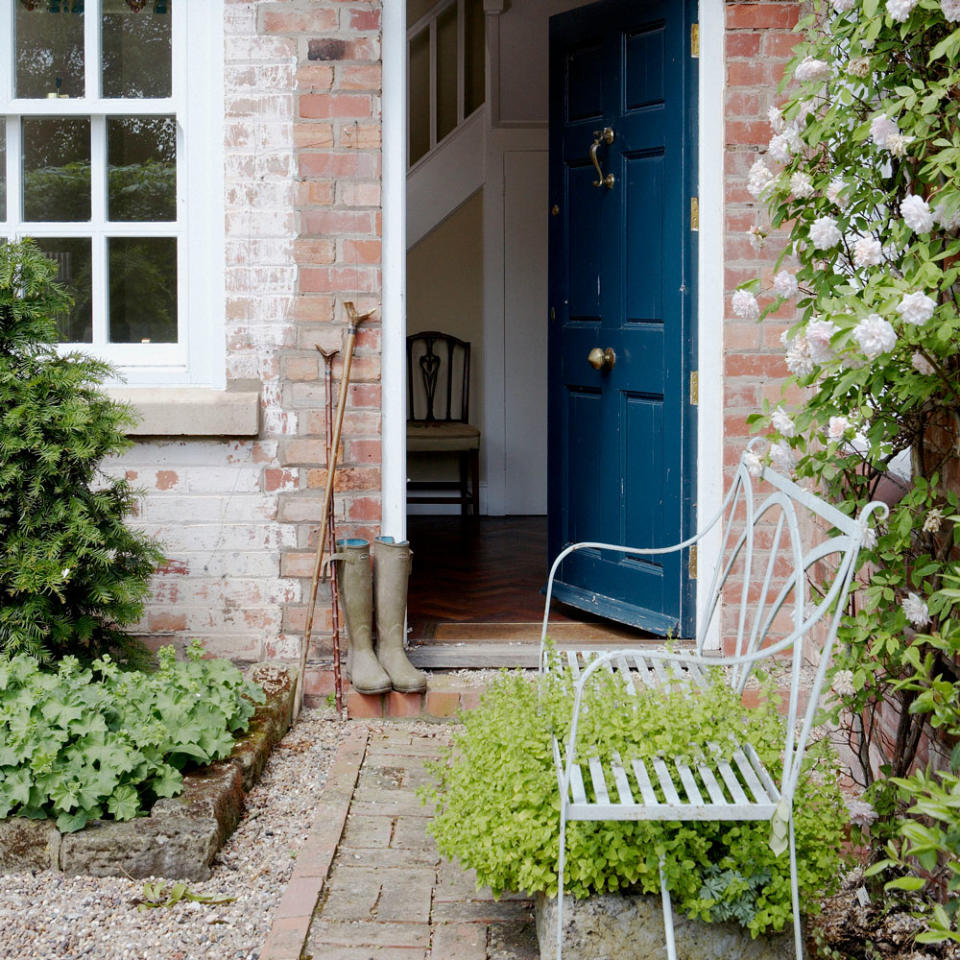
[(776, 538)]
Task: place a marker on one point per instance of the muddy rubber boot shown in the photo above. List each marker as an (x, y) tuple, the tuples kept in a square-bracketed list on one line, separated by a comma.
[(391, 571), (356, 595)]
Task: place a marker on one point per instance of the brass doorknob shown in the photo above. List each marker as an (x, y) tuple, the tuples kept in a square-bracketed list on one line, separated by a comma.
[(602, 359)]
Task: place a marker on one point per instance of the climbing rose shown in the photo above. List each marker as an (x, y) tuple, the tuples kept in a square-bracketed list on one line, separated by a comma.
[(799, 362), (921, 364), (933, 520), (782, 423), (867, 252), (949, 221), (811, 69), (835, 191), (779, 148), (752, 463), (801, 186), (842, 6), (897, 144), (859, 67), (915, 610), (882, 128), (760, 178), (916, 214), (860, 812), (776, 118), (869, 538), (916, 308), (785, 284), (875, 336), (951, 10), (824, 233), (899, 10), (745, 305), (837, 427), (781, 456), (758, 237), (819, 333), (842, 684)]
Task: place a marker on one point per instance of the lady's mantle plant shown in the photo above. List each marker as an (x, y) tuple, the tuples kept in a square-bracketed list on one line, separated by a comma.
[(71, 572), (863, 173), (80, 744)]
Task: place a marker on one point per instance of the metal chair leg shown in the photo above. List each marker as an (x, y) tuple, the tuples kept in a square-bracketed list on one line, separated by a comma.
[(561, 864), (795, 896), (667, 916)]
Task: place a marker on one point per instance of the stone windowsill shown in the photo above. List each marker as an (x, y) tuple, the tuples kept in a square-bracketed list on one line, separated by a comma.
[(193, 411)]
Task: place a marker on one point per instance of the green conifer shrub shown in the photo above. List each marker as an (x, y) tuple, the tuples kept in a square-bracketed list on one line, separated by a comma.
[(72, 574)]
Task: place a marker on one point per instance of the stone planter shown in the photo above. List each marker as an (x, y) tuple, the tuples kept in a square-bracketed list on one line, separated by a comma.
[(630, 927), (182, 834)]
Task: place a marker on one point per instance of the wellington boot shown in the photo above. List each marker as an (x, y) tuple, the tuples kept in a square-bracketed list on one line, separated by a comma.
[(391, 571), (356, 595)]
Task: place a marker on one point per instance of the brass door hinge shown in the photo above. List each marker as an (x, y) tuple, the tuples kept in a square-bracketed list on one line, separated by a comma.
[(694, 213), (694, 387), (692, 563), (695, 40)]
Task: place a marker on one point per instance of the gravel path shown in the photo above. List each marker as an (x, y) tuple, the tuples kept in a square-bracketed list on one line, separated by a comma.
[(51, 917)]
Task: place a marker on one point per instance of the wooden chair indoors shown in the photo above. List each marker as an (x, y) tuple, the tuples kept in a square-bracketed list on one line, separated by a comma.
[(438, 408)]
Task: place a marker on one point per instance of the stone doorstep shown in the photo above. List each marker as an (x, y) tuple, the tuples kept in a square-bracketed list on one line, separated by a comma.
[(631, 925), (182, 834)]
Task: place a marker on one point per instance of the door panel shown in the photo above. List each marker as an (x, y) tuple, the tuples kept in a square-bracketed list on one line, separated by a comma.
[(622, 262)]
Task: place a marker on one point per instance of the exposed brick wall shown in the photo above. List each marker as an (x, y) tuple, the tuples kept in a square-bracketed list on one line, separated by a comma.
[(759, 40), (302, 205)]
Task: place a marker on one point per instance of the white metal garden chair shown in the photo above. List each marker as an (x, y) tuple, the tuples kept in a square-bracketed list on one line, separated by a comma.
[(802, 530)]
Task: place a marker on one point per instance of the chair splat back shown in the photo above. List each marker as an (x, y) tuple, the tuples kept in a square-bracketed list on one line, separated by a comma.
[(438, 378)]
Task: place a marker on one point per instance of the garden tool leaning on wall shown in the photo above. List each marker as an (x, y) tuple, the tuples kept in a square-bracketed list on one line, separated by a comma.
[(355, 320)]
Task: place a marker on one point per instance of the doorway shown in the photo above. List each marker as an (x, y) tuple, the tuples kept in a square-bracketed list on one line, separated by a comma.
[(514, 142)]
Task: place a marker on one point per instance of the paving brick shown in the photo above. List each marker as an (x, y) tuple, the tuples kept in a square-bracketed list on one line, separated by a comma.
[(367, 832), (406, 894), (481, 911), (352, 893), (388, 857), (403, 704), (459, 941), (285, 940), (370, 934), (360, 706), (411, 832), (441, 703), (299, 898), (322, 951)]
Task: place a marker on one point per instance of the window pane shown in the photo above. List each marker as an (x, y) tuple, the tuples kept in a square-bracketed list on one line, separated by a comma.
[(446, 72), (49, 48), (136, 48), (56, 168), (142, 168), (143, 289), (72, 256), (419, 96)]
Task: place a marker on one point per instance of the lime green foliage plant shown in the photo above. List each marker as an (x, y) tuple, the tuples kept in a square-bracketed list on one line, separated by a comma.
[(82, 743), (497, 803), (72, 573)]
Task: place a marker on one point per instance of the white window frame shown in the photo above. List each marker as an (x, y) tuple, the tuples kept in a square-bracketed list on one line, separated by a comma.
[(198, 357)]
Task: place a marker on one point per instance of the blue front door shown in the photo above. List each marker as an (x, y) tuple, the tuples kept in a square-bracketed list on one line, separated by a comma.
[(622, 296)]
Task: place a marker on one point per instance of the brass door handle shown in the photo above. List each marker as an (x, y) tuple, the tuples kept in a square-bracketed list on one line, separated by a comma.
[(602, 136), (602, 359)]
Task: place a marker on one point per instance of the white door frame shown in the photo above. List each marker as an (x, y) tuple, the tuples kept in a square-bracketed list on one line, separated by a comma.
[(710, 289)]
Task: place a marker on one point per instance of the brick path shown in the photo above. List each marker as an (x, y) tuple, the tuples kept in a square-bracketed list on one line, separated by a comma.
[(388, 895)]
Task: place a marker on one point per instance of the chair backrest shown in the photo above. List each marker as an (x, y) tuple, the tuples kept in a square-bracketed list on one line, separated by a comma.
[(787, 562), (438, 377)]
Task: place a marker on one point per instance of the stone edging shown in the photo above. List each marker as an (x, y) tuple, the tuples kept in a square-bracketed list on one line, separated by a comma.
[(291, 919), (182, 834)]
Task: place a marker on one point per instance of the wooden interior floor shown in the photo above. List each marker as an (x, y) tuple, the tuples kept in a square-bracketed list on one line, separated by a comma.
[(480, 581)]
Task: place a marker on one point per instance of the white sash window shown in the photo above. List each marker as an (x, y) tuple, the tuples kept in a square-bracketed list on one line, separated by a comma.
[(111, 158)]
